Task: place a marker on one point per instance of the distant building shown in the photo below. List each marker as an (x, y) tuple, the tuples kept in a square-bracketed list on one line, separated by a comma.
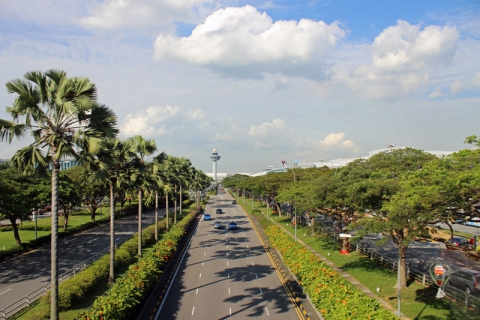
[(64, 164), (341, 162)]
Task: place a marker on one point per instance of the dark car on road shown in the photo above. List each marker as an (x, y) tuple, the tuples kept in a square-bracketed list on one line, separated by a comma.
[(466, 280), (232, 226), (218, 211), (234, 202)]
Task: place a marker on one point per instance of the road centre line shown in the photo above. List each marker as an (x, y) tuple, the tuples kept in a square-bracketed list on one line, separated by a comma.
[(193, 310), (268, 314), (256, 276), (200, 275), (196, 291), (261, 291), (5, 291)]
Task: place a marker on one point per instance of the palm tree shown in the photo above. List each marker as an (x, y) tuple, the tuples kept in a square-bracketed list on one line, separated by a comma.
[(113, 163), (62, 114), (186, 170), (141, 147)]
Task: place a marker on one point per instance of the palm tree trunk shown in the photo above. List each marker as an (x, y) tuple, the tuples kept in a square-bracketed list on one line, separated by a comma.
[(181, 199), (156, 215), (166, 210), (139, 223), (54, 234), (175, 204), (111, 275)]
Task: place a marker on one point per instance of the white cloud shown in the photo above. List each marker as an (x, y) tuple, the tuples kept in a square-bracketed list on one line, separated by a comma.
[(405, 46), (114, 14), (196, 114), (336, 140), (234, 38), (149, 122), (268, 129), (437, 93)]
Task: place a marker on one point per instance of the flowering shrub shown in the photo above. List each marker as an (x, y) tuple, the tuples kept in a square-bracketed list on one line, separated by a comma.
[(121, 301), (331, 294)]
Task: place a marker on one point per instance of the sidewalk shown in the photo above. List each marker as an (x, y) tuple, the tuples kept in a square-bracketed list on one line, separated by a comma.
[(344, 274)]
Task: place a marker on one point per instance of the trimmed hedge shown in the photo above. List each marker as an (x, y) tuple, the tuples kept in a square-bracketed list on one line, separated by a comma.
[(333, 296), (124, 297)]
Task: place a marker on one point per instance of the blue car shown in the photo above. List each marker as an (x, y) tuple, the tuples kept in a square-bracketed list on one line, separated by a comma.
[(207, 217), (232, 226)]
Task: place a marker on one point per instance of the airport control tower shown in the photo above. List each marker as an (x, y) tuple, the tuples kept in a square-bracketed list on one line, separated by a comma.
[(215, 157)]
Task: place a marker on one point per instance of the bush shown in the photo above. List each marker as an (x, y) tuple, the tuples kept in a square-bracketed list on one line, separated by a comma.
[(330, 293), (121, 301)]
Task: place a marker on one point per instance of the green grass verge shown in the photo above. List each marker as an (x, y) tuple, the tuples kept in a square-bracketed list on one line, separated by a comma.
[(417, 301)]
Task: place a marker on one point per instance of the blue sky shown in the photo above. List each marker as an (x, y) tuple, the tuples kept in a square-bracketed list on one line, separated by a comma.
[(261, 81)]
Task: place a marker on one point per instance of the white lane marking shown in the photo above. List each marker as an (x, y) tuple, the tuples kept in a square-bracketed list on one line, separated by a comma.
[(193, 310), (268, 314), (228, 264), (228, 276), (247, 246), (228, 290), (196, 291), (227, 254), (92, 240), (261, 291), (204, 254), (200, 275), (252, 263), (256, 276), (5, 291), (230, 312), (203, 263), (244, 234), (227, 246), (206, 246)]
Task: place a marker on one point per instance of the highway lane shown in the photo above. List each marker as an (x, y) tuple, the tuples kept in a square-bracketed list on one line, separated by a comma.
[(226, 273), (23, 274)]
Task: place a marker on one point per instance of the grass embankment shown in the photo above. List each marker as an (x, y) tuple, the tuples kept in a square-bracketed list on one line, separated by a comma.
[(417, 301)]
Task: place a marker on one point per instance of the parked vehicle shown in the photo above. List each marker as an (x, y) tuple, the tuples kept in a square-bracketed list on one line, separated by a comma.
[(456, 241), (466, 280)]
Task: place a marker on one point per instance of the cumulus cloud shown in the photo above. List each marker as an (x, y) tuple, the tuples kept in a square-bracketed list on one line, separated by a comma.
[(335, 140), (242, 37), (404, 59), (268, 128), (150, 122), (406, 46)]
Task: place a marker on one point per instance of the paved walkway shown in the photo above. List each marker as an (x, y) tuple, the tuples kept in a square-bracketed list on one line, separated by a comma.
[(348, 277)]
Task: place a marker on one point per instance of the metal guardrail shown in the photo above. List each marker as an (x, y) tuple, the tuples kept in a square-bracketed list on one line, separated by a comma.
[(33, 296), (454, 293)]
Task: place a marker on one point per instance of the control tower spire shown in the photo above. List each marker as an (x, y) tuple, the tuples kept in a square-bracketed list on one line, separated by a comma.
[(215, 157)]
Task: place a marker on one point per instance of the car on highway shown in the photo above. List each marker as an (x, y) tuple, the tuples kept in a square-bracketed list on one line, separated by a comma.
[(207, 217), (467, 280), (234, 202), (232, 226), (218, 210), (455, 241), (218, 225)]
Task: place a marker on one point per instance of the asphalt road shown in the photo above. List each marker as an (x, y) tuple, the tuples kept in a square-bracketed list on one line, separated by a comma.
[(23, 274), (226, 273)]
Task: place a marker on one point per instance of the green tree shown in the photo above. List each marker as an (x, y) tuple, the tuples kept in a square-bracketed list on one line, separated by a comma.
[(14, 198), (62, 114)]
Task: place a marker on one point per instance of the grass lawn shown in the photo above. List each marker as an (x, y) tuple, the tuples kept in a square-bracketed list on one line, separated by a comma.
[(417, 301), (8, 241)]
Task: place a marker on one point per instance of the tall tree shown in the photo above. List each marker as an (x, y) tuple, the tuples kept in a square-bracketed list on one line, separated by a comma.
[(113, 163), (141, 147), (62, 114)]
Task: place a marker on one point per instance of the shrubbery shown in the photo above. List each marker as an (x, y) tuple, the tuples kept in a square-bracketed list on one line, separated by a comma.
[(122, 300), (331, 294)]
